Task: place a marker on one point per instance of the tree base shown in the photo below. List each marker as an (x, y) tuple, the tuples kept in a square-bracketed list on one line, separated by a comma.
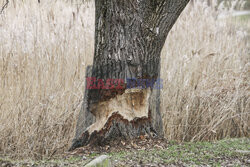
[(116, 128), (134, 113)]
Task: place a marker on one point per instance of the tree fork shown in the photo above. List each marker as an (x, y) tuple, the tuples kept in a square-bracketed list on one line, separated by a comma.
[(129, 37)]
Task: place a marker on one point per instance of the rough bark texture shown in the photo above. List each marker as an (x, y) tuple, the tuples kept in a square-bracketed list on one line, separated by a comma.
[(154, 104), (85, 118), (129, 37)]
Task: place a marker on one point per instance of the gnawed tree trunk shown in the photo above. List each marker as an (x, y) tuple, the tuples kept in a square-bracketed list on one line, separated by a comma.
[(129, 37)]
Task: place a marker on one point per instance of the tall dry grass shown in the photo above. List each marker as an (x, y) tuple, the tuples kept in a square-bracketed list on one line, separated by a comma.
[(206, 64), (44, 50)]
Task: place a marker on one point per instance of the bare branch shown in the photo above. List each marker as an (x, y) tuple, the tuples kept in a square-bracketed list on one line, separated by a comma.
[(4, 6)]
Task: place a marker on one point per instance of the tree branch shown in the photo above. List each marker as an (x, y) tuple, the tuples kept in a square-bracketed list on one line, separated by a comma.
[(4, 6)]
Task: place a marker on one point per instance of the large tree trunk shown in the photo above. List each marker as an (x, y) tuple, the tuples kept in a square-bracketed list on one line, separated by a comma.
[(129, 36)]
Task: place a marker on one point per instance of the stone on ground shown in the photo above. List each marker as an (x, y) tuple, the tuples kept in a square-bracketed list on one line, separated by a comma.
[(101, 161)]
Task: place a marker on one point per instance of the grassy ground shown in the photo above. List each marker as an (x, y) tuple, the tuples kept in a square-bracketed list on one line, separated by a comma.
[(222, 153), (228, 152)]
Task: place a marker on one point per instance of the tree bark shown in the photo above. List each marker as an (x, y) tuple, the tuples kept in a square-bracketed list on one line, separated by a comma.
[(85, 118), (129, 37)]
